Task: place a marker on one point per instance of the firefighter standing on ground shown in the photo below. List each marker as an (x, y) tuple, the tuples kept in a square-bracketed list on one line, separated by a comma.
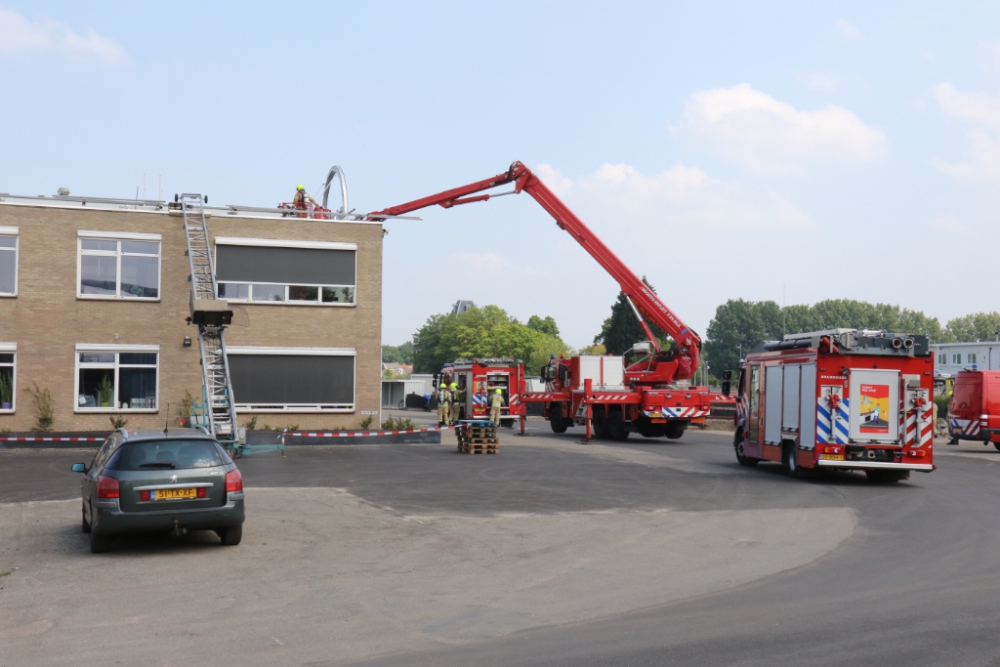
[(496, 402), (444, 404), (456, 402)]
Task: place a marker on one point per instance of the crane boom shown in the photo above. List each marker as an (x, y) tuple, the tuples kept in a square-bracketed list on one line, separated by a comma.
[(680, 363)]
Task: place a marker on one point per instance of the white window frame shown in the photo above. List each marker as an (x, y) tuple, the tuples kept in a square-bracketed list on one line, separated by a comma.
[(288, 243), (116, 349), (956, 359), (15, 232), (82, 235), (970, 357), (305, 352), (10, 348)]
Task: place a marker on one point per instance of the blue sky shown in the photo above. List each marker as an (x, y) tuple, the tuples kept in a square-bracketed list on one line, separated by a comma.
[(724, 150)]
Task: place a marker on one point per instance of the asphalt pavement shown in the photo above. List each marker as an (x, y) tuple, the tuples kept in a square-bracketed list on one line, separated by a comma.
[(648, 552)]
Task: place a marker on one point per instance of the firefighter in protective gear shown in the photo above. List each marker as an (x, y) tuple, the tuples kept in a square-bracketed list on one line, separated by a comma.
[(496, 402), (444, 404), (301, 196), (456, 401)]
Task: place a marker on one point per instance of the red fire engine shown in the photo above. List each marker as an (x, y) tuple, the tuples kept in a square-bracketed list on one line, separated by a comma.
[(479, 379), (844, 398), (652, 394)]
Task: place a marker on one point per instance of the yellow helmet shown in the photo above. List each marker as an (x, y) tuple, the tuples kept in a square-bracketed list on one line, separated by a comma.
[(499, 390), (441, 386), (454, 385), (300, 187)]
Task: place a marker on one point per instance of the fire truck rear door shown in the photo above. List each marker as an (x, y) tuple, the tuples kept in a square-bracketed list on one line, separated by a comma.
[(874, 407), (807, 408)]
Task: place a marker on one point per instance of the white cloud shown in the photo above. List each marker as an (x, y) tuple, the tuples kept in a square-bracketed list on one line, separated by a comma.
[(848, 30), (975, 107), (983, 147), (679, 200), (752, 127), (18, 35)]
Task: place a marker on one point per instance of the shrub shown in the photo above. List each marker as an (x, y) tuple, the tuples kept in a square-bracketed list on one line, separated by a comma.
[(942, 406), (118, 421), (251, 424), (43, 408), (367, 422), (398, 424), (186, 410)]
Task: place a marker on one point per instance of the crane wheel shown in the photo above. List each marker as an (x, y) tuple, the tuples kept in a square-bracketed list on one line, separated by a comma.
[(617, 427), (675, 429), (556, 420)]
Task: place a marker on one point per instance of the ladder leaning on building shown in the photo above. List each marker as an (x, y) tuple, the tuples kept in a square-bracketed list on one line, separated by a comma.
[(211, 315)]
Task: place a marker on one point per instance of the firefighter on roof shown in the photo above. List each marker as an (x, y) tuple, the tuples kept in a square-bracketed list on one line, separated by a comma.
[(444, 404), (301, 196), (496, 402), (456, 402)]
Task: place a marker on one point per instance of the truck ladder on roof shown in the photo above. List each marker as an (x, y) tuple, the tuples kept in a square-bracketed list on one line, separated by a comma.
[(211, 315)]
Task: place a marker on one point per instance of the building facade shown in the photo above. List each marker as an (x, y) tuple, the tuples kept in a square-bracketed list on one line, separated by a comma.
[(950, 358), (94, 301)]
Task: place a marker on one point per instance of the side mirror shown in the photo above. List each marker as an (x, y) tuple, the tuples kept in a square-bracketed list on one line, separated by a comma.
[(726, 387), (79, 467)]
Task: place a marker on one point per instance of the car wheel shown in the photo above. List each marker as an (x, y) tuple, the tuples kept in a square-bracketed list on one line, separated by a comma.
[(997, 445), (86, 524), (100, 544), (741, 456), (230, 535)]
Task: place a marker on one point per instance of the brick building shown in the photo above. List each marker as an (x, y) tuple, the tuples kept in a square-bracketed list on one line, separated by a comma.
[(94, 299)]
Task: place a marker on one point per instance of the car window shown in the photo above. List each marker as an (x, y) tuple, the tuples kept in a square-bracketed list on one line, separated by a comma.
[(166, 454), (102, 453)]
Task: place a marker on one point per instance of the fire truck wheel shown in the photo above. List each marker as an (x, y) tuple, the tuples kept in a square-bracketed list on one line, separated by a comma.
[(790, 460), (617, 427), (556, 420), (601, 424), (675, 429), (741, 456)]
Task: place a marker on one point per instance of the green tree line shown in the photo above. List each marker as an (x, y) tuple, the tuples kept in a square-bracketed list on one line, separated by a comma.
[(487, 332), (739, 325)]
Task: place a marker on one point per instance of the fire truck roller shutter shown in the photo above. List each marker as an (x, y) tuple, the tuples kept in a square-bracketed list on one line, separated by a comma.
[(807, 408), (790, 404), (772, 404)]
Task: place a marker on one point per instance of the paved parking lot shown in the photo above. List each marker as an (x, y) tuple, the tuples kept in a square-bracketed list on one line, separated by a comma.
[(420, 555)]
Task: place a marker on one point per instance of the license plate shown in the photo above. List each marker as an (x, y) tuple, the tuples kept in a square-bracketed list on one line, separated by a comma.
[(831, 457), (173, 494), (657, 421)]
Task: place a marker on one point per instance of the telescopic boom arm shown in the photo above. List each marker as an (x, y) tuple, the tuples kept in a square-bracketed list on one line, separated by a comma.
[(679, 364)]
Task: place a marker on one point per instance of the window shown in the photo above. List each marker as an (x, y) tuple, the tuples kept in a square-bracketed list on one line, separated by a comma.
[(116, 265), (115, 378), (8, 390), (956, 359), (315, 273), (292, 379), (8, 261), (971, 358), (173, 454)]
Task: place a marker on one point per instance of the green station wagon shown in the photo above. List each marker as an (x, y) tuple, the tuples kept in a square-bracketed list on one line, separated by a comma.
[(161, 480)]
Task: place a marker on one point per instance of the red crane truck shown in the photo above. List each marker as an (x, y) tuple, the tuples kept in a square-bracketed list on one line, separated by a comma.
[(844, 398), (652, 394)]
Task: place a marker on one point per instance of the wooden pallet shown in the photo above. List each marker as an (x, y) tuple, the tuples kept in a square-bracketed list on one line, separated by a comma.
[(478, 449)]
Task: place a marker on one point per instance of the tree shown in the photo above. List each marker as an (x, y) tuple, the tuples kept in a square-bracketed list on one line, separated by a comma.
[(622, 330), (486, 332), (398, 354), (741, 325), (546, 326), (975, 327)]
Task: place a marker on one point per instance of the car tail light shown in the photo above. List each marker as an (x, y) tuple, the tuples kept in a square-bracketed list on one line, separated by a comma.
[(234, 481), (203, 492), (144, 496), (107, 487)]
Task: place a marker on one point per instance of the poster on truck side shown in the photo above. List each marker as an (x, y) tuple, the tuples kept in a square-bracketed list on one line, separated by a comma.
[(874, 409)]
